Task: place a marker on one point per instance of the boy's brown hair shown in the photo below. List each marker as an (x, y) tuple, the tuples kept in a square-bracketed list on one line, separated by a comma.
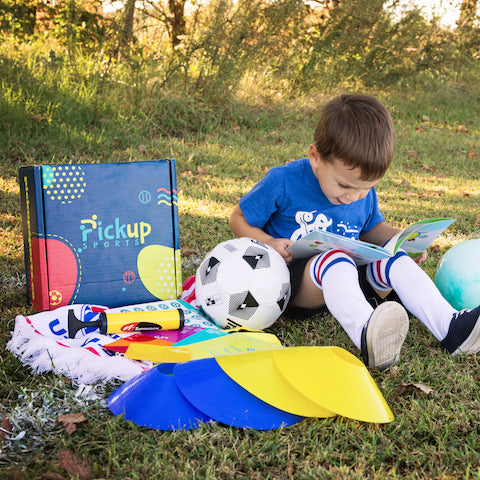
[(358, 130)]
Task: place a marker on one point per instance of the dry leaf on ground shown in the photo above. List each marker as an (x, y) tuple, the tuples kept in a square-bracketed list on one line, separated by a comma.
[(70, 419), (408, 387), (188, 252), (53, 476), (5, 427), (74, 465)]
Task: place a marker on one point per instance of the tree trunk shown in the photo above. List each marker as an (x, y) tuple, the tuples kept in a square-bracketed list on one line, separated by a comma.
[(177, 20), (30, 17), (468, 11), (126, 34)]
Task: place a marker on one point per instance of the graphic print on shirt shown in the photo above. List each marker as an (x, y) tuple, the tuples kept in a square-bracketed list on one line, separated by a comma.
[(310, 221)]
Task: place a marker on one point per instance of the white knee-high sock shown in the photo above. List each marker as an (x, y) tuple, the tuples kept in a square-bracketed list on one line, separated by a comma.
[(415, 289), (336, 274)]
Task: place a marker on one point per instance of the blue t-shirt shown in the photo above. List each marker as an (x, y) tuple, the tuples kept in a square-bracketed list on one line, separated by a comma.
[(289, 203)]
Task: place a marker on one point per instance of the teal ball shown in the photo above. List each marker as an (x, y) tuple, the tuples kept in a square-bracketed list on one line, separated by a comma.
[(458, 275)]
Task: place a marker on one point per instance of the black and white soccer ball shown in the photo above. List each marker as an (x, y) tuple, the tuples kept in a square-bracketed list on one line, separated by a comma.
[(243, 282)]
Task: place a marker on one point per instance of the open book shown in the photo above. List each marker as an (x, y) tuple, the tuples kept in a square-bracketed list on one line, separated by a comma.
[(414, 240)]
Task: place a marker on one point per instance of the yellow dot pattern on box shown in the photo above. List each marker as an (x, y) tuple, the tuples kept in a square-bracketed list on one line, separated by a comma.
[(63, 183), (157, 267)]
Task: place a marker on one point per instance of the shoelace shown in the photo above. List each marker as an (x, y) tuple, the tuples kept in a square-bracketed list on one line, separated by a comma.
[(456, 315)]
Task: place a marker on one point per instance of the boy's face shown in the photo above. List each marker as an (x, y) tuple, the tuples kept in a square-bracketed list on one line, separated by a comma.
[(339, 183)]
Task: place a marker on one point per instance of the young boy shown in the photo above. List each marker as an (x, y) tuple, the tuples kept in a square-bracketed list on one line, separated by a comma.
[(334, 189)]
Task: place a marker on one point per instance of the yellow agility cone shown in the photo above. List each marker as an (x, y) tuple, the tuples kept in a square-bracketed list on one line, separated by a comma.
[(334, 379)]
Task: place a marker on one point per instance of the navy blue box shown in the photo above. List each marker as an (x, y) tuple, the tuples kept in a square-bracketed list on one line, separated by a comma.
[(103, 234)]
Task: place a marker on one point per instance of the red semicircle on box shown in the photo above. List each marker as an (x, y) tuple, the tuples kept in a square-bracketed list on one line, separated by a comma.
[(62, 272)]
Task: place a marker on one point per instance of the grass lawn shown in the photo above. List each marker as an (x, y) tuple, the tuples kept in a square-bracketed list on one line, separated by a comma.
[(220, 155)]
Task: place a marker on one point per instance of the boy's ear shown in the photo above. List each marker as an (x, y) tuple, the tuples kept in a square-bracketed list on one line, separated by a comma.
[(313, 154)]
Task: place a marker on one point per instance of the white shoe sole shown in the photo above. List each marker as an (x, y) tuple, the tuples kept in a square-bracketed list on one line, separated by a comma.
[(386, 331), (472, 344)]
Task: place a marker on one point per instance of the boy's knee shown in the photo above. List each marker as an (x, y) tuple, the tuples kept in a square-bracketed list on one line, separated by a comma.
[(399, 254), (378, 273), (333, 256), (321, 264)]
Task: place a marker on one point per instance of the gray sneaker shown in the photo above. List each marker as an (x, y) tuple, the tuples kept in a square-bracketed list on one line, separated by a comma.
[(384, 334)]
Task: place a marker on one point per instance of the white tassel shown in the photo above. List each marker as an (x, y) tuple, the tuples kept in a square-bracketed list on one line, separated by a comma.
[(44, 354)]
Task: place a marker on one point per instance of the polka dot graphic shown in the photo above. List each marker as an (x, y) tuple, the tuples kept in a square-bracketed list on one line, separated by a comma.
[(156, 268), (63, 183)]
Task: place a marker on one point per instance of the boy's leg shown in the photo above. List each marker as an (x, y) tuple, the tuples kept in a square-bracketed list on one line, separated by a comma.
[(331, 279), (458, 331)]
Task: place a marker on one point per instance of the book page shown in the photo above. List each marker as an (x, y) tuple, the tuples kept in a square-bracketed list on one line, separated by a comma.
[(416, 238), (319, 241)]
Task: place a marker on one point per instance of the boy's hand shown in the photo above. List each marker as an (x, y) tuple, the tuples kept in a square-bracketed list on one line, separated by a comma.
[(281, 245), (241, 228), (421, 258)]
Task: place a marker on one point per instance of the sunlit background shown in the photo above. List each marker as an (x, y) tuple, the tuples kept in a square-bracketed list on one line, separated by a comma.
[(447, 11)]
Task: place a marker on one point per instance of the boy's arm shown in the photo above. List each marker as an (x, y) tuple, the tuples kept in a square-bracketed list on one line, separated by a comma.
[(241, 228), (381, 233)]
